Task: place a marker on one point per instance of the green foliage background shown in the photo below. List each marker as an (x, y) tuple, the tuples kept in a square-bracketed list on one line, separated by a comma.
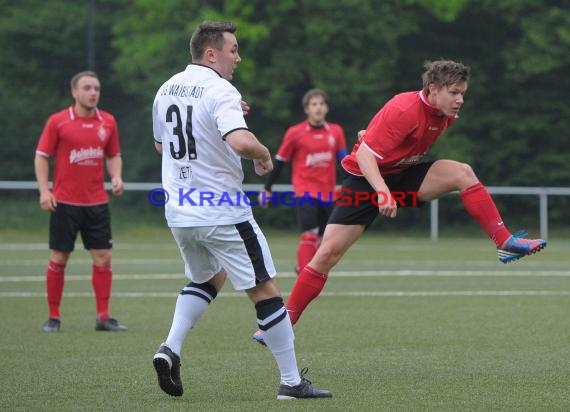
[(513, 128)]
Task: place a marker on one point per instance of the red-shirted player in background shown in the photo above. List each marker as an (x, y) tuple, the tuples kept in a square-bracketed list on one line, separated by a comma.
[(313, 148), (80, 138), (386, 159)]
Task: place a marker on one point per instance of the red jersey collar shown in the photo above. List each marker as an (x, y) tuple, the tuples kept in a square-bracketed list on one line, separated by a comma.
[(72, 114), (430, 107), (309, 126)]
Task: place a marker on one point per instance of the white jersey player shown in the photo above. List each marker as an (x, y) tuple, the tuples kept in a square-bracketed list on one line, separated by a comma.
[(193, 113), (199, 127)]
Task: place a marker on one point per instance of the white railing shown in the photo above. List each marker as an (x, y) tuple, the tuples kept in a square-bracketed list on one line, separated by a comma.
[(542, 192)]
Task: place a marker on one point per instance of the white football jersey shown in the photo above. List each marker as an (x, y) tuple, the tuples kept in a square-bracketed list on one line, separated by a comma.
[(203, 176)]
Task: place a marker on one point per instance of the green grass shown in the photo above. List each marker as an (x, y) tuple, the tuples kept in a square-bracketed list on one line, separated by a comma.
[(403, 324)]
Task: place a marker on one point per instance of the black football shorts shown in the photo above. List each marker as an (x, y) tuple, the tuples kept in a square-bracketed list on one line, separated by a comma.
[(358, 203), (92, 222)]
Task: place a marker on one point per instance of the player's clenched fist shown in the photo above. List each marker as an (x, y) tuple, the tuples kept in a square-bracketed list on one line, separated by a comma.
[(262, 167)]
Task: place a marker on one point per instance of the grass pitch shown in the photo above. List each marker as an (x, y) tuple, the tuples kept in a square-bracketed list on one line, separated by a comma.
[(403, 324)]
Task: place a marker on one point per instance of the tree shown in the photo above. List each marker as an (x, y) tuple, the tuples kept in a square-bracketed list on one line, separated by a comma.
[(512, 128), (43, 44)]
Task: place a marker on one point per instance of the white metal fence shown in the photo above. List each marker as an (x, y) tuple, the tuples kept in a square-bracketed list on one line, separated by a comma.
[(543, 193)]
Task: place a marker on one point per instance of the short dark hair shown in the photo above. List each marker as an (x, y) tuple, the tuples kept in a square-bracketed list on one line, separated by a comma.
[(209, 33), (444, 73), (312, 93), (79, 75)]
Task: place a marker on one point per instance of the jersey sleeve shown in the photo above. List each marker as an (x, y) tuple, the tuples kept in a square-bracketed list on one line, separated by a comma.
[(387, 130), (287, 147), (155, 121), (340, 143), (48, 139), (340, 139), (227, 109)]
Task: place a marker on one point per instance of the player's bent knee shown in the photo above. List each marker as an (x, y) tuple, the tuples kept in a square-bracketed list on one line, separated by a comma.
[(466, 170), (455, 174), (465, 175), (328, 256)]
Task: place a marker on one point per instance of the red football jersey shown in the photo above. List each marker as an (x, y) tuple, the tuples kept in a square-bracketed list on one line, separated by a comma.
[(313, 152), (80, 145), (400, 134)]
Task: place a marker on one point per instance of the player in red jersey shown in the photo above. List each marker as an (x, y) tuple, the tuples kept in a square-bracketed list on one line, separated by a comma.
[(387, 159), (313, 148), (80, 138)]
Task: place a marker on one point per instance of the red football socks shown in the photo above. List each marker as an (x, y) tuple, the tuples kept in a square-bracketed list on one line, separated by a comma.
[(101, 281), (307, 249), (55, 277), (307, 287), (480, 205)]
